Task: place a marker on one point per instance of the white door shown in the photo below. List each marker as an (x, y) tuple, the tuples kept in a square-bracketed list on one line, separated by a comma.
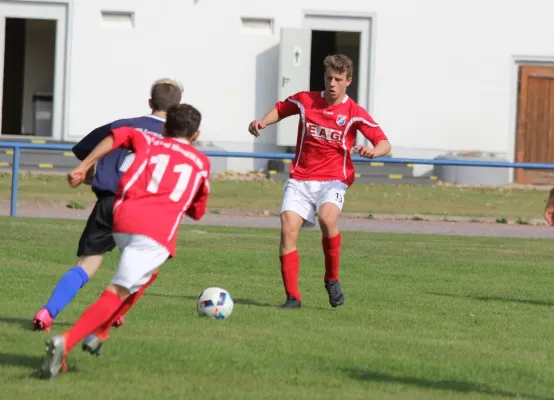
[(350, 23), (294, 76), (51, 11)]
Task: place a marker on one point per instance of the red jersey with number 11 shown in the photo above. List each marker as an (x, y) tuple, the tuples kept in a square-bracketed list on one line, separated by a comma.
[(168, 178)]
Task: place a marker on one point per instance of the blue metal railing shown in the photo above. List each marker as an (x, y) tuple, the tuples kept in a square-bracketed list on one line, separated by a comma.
[(17, 146)]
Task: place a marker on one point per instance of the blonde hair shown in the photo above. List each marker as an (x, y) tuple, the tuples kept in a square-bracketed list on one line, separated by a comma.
[(164, 93), (167, 81), (339, 63)]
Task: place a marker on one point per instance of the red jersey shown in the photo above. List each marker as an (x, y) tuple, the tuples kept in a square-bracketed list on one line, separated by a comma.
[(168, 178), (326, 135)]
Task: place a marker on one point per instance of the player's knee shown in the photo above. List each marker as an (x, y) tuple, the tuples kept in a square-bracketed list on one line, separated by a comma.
[(121, 291), (290, 226), (327, 221), (327, 217), (291, 223)]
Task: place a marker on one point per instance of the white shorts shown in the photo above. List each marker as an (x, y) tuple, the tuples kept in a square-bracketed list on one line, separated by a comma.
[(307, 197), (140, 256)]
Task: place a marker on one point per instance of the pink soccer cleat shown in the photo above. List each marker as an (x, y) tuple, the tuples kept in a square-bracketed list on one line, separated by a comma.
[(119, 322), (43, 321)]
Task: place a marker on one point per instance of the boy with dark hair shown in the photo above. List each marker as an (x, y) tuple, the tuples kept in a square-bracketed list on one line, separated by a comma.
[(97, 239), (168, 179)]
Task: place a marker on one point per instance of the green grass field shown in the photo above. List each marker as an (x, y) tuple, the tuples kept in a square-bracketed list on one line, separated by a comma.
[(361, 198), (426, 317)]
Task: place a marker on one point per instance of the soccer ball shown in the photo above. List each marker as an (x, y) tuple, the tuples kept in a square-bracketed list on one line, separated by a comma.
[(215, 303)]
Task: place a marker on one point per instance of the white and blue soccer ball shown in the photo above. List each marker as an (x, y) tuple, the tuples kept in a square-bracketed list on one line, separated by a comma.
[(215, 302)]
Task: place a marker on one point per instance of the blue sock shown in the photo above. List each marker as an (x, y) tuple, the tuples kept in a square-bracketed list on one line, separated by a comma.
[(66, 290)]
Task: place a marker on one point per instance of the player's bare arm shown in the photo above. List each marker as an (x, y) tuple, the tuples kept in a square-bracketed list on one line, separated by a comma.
[(381, 149), (270, 118), (89, 176), (549, 209), (79, 174)]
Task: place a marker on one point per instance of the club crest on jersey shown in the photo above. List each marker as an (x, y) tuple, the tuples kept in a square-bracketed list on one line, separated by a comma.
[(341, 120)]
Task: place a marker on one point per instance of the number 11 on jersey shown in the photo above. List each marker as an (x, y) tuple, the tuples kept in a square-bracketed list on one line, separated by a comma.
[(161, 161)]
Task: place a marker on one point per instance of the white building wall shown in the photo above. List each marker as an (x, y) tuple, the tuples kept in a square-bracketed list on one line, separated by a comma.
[(444, 79)]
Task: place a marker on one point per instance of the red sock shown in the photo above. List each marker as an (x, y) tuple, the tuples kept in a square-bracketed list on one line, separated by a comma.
[(103, 330), (94, 316), (290, 266), (331, 249)]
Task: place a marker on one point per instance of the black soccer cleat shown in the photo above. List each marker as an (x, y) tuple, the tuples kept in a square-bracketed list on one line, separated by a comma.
[(291, 303), (336, 297), (93, 345)]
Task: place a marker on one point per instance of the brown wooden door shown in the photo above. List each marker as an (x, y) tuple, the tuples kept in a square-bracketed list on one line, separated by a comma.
[(535, 123)]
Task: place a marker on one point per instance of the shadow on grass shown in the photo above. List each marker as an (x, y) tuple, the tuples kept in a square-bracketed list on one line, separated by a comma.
[(19, 360), (456, 386), (248, 302), (31, 362), (26, 323), (496, 298)]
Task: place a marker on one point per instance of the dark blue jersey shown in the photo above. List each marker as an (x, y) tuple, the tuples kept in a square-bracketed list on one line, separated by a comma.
[(111, 167)]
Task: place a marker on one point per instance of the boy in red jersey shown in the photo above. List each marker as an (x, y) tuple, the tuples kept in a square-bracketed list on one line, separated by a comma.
[(168, 179), (549, 209), (322, 170), (97, 239)]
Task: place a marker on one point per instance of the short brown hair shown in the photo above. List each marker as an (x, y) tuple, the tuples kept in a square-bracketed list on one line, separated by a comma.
[(165, 93), (339, 63), (183, 120)]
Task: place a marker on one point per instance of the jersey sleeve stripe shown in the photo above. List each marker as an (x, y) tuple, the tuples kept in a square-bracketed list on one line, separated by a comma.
[(303, 119), (365, 121), (348, 126), (137, 174), (129, 184)]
